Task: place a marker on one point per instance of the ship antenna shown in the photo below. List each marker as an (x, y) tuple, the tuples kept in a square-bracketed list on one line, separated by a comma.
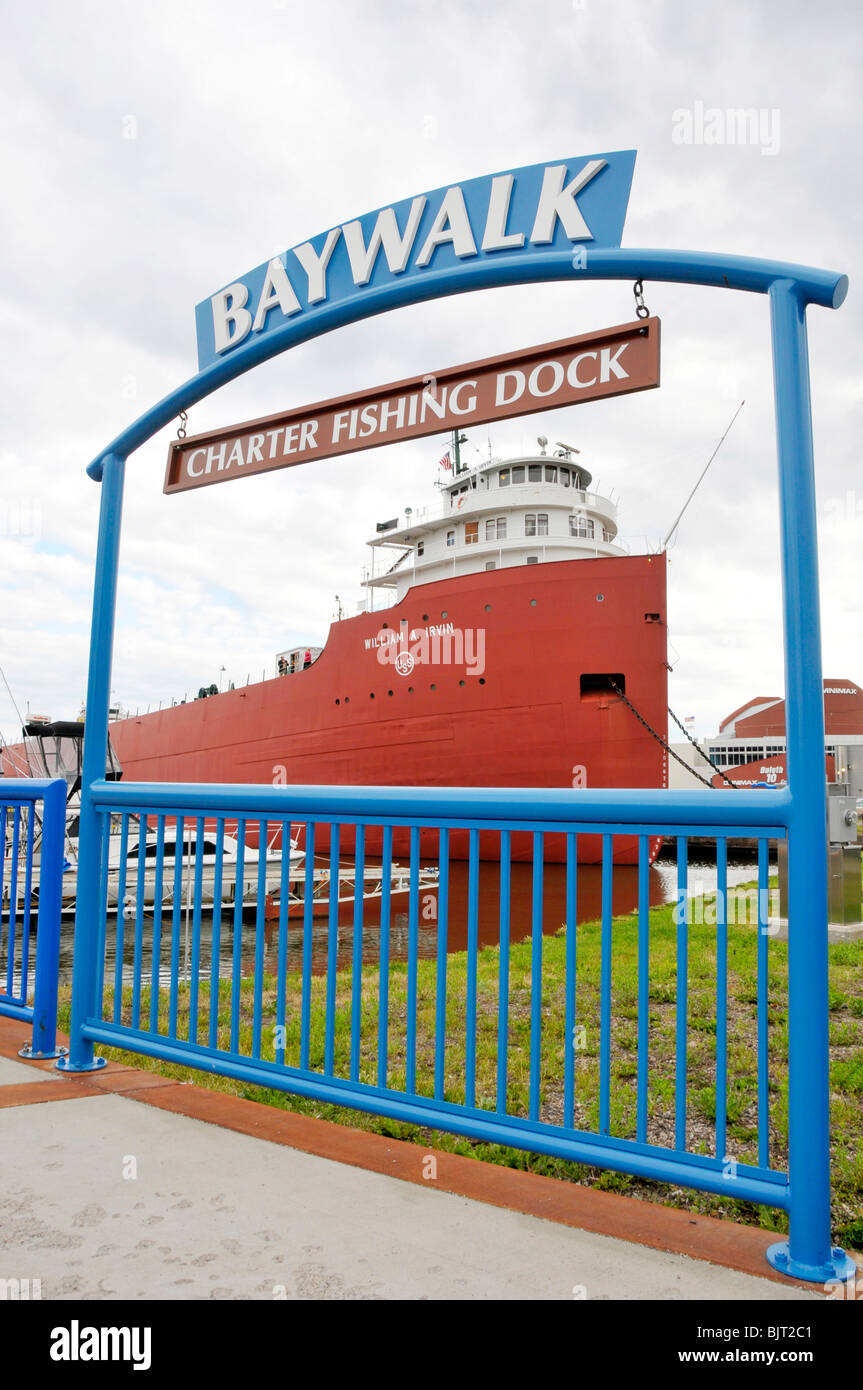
[(12, 698), (664, 545)]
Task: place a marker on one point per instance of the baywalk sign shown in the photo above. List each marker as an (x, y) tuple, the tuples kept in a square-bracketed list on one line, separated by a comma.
[(611, 362), (537, 211)]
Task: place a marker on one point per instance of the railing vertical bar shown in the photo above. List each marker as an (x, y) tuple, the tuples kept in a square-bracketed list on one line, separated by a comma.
[(643, 986), (332, 951), (120, 938), (45, 984), (721, 996), (282, 955), (308, 927), (413, 964), (762, 1010), (357, 956), (28, 891), (570, 980), (176, 918), (102, 930), (536, 977), (441, 965), (216, 939), (605, 985), (237, 957), (260, 934), (4, 813), (682, 1015), (472, 955), (156, 954), (13, 902), (384, 957), (138, 946), (198, 895), (503, 970)]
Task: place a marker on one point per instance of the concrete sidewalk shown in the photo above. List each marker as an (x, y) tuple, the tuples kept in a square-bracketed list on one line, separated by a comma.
[(103, 1197)]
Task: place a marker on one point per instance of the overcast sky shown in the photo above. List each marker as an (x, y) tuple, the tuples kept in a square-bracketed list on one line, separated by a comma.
[(153, 153)]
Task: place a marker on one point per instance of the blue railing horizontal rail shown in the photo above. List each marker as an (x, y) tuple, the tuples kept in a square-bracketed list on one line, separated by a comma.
[(762, 1186), (766, 811)]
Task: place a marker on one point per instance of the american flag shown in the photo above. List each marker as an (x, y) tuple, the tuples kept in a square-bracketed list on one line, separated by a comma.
[(445, 461), (689, 719)]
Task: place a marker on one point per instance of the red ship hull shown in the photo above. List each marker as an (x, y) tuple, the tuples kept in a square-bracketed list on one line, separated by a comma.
[(533, 711)]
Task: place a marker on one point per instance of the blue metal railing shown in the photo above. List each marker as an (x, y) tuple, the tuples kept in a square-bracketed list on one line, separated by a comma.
[(33, 820), (192, 970)]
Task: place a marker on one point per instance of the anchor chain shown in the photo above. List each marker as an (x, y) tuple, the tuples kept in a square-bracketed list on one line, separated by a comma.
[(659, 739), (704, 755)]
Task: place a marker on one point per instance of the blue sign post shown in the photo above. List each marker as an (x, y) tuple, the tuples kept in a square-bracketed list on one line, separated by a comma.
[(556, 222)]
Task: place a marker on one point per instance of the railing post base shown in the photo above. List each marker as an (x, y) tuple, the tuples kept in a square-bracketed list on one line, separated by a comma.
[(29, 1055), (840, 1266), (66, 1064)]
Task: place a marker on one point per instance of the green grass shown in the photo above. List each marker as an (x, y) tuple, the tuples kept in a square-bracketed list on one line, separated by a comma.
[(846, 1049)]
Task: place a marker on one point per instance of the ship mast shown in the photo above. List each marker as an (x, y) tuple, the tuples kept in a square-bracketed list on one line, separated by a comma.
[(457, 439)]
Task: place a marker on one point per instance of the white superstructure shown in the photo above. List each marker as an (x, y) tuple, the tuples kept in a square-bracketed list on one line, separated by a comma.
[(518, 511)]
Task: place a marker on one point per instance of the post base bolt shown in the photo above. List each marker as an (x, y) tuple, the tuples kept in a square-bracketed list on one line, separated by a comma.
[(28, 1053), (66, 1064), (839, 1266)]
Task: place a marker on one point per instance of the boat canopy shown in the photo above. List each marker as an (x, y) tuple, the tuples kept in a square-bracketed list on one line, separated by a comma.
[(56, 750)]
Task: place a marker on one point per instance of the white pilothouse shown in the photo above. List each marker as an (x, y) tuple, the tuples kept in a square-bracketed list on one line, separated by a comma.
[(526, 510)]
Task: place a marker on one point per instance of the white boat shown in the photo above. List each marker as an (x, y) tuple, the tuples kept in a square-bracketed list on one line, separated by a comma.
[(373, 888), (124, 860)]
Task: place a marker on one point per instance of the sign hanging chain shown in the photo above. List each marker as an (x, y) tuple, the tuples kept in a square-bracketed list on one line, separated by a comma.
[(181, 432), (641, 309)]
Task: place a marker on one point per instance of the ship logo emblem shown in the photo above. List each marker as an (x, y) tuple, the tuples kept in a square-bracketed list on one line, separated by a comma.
[(404, 663)]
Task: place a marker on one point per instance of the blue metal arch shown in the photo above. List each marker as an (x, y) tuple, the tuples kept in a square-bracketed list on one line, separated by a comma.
[(682, 267)]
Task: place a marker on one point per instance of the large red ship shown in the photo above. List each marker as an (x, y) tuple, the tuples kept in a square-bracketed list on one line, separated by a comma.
[(516, 624)]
